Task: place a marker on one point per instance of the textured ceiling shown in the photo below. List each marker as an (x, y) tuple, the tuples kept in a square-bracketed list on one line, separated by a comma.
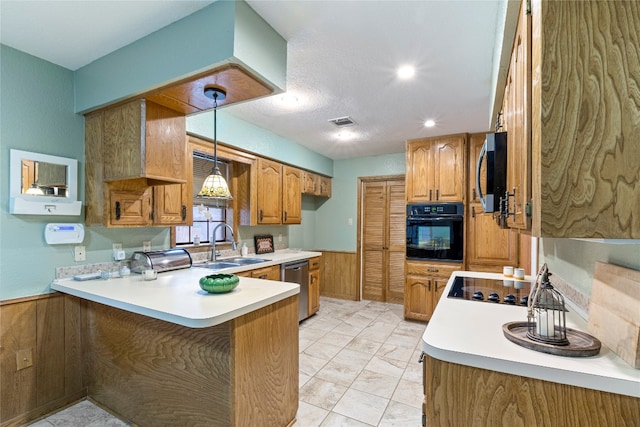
[(342, 58)]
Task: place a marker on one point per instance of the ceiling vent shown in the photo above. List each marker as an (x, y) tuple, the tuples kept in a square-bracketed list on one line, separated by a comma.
[(343, 121)]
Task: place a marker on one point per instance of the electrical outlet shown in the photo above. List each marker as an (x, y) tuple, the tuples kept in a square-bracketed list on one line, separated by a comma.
[(80, 253), (350, 221), (117, 247), (146, 246), (279, 238)]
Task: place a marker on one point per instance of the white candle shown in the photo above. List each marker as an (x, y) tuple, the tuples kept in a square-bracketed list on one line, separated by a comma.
[(544, 328)]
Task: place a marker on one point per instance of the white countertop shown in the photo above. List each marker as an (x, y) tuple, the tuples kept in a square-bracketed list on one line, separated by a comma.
[(470, 333), (175, 296)]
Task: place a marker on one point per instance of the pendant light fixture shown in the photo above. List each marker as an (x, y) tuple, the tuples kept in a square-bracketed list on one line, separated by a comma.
[(215, 186)]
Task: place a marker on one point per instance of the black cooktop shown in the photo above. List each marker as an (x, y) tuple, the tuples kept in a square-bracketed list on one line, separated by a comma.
[(507, 291)]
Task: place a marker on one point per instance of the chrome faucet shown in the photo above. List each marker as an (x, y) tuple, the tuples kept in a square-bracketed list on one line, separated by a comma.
[(213, 240)]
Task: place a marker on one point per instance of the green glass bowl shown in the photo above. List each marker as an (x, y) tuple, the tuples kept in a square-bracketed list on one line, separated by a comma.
[(219, 283)]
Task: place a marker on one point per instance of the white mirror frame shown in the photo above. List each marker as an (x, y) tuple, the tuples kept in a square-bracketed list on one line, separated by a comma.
[(42, 205)]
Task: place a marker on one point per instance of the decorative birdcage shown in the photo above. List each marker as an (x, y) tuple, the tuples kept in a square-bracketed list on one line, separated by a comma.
[(546, 321)]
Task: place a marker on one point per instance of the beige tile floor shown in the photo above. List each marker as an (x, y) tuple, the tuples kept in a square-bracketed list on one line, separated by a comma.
[(358, 367)]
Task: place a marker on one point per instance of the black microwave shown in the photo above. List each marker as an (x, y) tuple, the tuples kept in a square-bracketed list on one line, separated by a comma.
[(494, 150)]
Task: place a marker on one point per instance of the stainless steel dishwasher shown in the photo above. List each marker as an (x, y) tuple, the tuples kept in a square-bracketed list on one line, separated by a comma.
[(298, 272)]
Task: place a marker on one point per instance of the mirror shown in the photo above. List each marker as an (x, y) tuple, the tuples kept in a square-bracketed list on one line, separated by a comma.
[(43, 184), (43, 179)]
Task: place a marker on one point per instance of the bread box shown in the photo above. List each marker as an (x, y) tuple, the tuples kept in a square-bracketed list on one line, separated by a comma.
[(166, 260)]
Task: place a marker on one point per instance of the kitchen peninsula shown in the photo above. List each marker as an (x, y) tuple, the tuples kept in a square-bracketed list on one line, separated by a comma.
[(493, 381), (164, 352)]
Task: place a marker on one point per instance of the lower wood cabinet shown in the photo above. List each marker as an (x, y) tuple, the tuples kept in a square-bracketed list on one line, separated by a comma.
[(314, 285), (424, 284), (265, 273)]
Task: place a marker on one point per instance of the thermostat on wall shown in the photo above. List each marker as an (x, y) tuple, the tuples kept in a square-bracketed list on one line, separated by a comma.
[(58, 234)]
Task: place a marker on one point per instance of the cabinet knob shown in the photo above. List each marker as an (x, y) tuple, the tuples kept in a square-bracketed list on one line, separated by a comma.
[(430, 194), (261, 215), (437, 194), (473, 211), (117, 211), (285, 216), (184, 213)]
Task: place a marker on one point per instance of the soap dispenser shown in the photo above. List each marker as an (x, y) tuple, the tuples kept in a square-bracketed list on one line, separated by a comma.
[(244, 251)]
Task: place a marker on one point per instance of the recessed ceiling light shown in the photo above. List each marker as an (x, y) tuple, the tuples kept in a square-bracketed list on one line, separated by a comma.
[(406, 72), (345, 135), (429, 123), (289, 100)]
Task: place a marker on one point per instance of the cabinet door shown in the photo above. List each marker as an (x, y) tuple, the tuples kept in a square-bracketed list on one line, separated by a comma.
[(374, 241), (517, 123), (292, 195), (418, 300), (164, 143), (325, 186), (169, 205), (487, 243), (449, 169), (130, 208), (420, 160), (269, 192), (396, 240), (308, 183), (438, 285), (314, 291), (267, 273)]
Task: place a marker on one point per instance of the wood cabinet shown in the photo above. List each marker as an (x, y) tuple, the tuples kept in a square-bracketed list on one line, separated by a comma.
[(314, 285), (424, 284), (279, 193), (383, 239), (509, 400), (517, 123), (269, 192), (291, 195), (265, 273), (136, 164), (567, 105), (488, 247), (316, 185), (436, 169)]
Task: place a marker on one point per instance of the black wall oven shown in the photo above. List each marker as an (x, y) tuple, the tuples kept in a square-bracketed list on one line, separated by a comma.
[(435, 232)]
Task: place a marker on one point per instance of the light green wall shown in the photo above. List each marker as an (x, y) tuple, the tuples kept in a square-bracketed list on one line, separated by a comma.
[(574, 260), (37, 114), (332, 229), (223, 32), (238, 133)]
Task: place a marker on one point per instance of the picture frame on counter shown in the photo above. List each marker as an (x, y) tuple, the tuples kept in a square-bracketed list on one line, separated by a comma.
[(263, 244)]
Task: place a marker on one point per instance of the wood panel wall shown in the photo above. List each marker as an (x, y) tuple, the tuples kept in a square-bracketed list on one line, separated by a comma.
[(458, 395), (339, 275), (40, 356)]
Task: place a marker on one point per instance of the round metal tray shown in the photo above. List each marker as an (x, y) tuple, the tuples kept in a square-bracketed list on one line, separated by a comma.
[(580, 344)]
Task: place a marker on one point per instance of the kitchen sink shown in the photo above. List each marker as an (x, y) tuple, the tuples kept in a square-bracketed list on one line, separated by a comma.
[(217, 265), (229, 263), (245, 261)]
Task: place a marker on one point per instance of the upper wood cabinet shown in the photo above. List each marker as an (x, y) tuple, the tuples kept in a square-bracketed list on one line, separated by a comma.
[(291, 195), (143, 140), (135, 171), (269, 192), (316, 185), (279, 193), (517, 123), (436, 169), (583, 134)]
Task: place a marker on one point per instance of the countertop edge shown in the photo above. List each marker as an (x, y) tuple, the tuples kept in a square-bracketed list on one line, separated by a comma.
[(502, 363)]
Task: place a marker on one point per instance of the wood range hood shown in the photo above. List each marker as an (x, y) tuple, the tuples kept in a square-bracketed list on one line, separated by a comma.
[(187, 95)]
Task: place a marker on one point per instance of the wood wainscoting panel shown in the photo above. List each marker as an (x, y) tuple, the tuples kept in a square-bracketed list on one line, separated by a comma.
[(490, 398), (339, 275), (45, 329)]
